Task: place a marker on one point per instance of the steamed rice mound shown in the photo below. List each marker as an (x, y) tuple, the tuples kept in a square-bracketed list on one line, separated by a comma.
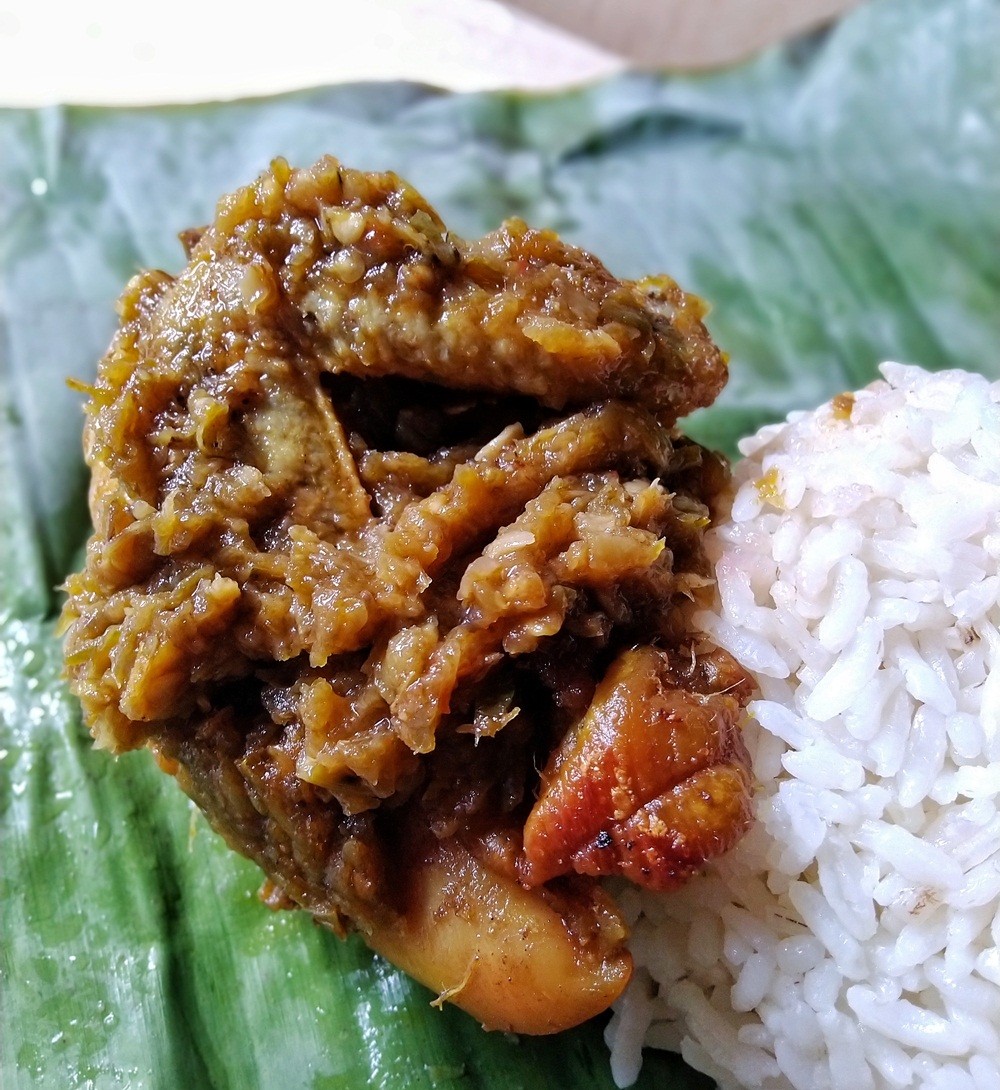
[(851, 941)]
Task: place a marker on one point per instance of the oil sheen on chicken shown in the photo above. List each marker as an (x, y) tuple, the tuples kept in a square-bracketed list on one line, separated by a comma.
[(387, 521)]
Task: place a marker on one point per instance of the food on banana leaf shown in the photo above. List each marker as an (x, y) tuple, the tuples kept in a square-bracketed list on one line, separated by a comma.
[(396, 548)]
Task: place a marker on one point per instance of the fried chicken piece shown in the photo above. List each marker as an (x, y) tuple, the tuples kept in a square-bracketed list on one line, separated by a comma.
[(375, 508)]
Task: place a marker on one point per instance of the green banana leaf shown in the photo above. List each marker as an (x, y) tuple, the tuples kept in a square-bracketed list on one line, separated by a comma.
[(836, 201)]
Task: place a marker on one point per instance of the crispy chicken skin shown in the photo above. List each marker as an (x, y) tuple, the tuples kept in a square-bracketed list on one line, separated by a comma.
[(375, 511), (653, 780)]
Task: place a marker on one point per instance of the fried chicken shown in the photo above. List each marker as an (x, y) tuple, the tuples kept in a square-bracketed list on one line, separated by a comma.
[(375, 510)]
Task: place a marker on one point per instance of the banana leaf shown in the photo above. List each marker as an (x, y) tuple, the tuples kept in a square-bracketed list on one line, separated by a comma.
[(836, 201)]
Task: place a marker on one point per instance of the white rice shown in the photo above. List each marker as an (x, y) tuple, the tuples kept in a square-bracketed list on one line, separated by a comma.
[(851, 940)]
